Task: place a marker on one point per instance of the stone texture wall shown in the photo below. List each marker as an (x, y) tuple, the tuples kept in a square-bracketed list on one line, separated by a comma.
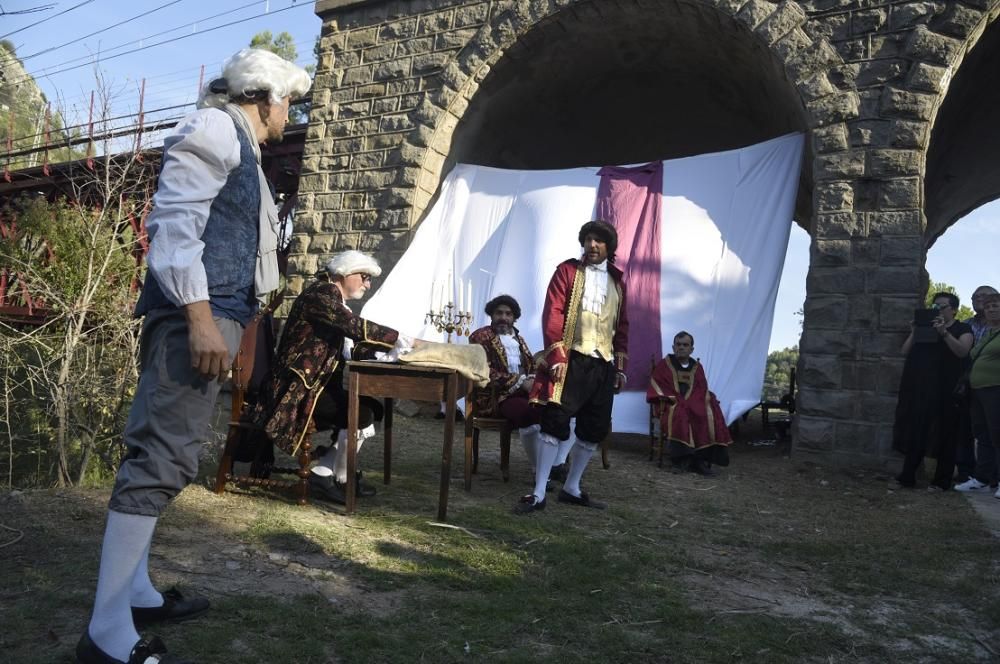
[(395, 78)]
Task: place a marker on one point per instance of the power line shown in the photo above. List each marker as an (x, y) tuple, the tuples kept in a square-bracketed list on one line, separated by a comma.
[(194, 23), (97, 32), (65, 11), (30, 10)]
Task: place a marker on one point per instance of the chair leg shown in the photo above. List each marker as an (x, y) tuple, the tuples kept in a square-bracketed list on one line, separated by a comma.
[(226, 462), (475, 451), (662, 445), (604, 453), (305, 458), (505, 454)]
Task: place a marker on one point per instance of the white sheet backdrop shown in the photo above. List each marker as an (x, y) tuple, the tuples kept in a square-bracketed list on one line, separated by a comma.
[(725, 227)]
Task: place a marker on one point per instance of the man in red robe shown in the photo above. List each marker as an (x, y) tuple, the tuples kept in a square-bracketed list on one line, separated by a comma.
[(512, 371), (691, 419), (585, 329)]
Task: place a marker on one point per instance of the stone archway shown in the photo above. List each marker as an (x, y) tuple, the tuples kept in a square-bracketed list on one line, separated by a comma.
[(718, 75), (962, 168)]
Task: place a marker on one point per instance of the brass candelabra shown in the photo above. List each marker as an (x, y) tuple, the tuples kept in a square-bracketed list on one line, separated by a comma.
[(449, 319)]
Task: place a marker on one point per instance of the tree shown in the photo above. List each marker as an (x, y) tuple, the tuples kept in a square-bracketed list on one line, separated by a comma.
[(779, 364), (283, 45), (963, 313), (68, 381)]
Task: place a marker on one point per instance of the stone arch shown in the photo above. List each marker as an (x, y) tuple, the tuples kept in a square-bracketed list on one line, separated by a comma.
[(823, 97), (959, 52)]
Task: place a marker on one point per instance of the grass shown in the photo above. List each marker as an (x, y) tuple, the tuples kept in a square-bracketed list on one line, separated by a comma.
[(772, 561)]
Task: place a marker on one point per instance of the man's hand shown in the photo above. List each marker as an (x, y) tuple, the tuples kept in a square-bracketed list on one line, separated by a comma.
[(558, 371), (619, 382), (209, 353)]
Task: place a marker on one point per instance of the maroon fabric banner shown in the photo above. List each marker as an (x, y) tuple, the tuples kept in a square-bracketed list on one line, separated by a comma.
[(631, 199)]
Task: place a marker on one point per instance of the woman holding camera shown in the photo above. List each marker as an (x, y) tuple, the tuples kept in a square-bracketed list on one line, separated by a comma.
[(927, 413)]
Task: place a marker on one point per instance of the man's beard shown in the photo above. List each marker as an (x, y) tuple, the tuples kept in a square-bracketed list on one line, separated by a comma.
[(502, 328), (275, 134)]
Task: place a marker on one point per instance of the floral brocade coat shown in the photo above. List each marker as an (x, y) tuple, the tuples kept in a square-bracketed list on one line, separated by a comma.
[(310, 357), (501, 378)]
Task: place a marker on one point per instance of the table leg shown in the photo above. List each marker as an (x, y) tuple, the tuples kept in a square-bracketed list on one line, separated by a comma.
[(450, 396), (352, 441), (470, 413), (387, 432)]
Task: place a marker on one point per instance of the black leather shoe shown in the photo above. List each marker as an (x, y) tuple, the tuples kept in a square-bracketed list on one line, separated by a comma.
[(559, 473), (176, 608), (144, 652), (583, 500), (327, 488), (362, 489), (528, 504), (702, 468)]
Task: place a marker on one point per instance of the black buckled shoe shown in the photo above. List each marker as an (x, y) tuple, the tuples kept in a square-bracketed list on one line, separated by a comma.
[(583, 500), (327, 488), (362, 489), (176, 608), (528, 504), (145, 652)]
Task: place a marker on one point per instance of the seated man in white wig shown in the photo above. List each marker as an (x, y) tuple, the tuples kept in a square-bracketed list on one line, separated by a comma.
[(306, 385)]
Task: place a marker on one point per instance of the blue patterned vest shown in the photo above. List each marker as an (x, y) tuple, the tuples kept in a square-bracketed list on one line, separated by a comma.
[(230, 237)]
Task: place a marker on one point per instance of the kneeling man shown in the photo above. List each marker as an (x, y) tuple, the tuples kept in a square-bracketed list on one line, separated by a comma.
[(307, 383), (690, 416)]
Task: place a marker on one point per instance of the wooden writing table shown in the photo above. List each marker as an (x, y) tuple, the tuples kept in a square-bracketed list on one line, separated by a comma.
[(401, 381)]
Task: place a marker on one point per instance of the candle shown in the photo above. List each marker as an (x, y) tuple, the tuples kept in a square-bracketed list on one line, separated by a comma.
[(433, 293), (461, 295), (468, 302)]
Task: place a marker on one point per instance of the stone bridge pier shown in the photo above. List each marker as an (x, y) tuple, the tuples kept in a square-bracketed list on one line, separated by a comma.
[(898, 100)]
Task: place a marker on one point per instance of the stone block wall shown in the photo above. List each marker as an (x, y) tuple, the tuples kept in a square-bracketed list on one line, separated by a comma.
[(395, 78)]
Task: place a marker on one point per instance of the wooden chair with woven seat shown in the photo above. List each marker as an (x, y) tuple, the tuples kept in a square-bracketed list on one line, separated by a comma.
[(474, 424), (262, 465)]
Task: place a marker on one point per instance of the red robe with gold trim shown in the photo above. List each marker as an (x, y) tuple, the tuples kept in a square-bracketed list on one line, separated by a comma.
[(692, 418), (559, 318)]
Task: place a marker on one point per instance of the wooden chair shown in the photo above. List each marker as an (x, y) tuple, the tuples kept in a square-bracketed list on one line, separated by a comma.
[(785, 403), (262, 467), (656, 442), (474, 424)]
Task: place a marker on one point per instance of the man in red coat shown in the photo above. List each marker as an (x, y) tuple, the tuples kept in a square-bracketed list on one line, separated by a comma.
[(690, 416), (512, 372), (585, 329)]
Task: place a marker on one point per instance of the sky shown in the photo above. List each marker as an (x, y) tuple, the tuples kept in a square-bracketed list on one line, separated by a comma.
[(166, 43)]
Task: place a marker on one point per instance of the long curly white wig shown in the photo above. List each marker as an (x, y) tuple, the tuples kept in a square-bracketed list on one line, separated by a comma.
[(251, 73)]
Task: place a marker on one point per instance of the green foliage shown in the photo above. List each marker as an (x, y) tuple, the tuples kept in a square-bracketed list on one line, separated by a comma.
[(776, 372), (963, 313), (67, 383)]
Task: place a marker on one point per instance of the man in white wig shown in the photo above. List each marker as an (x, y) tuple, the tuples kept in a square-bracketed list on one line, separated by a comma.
[(213, 254), (306, 385)]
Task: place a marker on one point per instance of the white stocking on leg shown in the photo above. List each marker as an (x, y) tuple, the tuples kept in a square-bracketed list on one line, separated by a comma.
[(340, 461), (144, 594), (545, 456), (325, 464), (529, 439), (564, 448), (579, 458), (126, 538)]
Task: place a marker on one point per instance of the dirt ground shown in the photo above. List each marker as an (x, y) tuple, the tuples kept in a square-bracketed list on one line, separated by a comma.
[(767, 536)]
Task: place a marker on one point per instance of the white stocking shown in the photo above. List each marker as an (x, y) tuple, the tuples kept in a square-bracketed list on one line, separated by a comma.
[(545, 456), (340, 460), (579, 458)]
